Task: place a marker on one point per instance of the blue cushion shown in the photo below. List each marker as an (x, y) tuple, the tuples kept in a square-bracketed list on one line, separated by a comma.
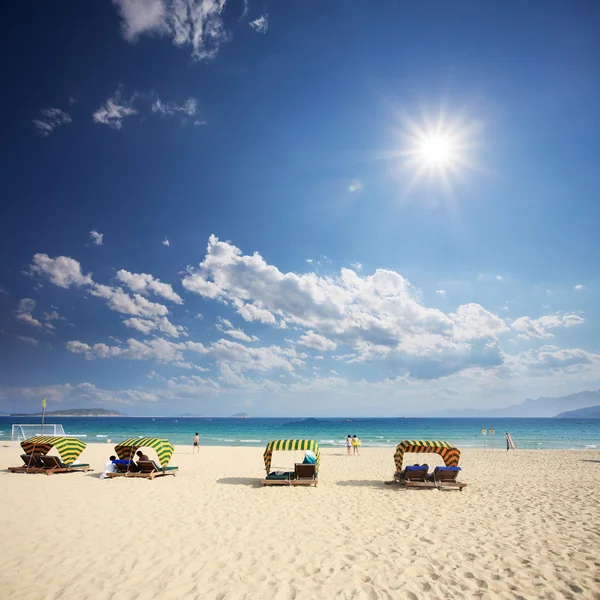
[(452, 469), (123, 462), (416, 468)]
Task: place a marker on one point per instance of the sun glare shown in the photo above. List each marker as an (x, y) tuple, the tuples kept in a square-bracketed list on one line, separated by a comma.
[(437, 150)]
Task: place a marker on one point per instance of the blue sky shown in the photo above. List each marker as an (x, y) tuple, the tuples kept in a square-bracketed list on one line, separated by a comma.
[(291, 208)]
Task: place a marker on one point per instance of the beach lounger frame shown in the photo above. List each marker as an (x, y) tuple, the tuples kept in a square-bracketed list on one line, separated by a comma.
[(53, 464), (31, 464), (148, 469)]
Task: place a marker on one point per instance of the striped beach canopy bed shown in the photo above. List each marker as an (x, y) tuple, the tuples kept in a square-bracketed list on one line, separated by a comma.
[(418, 476), (36, 459), (127, 449), (303, 474)]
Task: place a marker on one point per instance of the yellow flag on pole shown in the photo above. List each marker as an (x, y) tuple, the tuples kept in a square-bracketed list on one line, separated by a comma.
[(44, 402)]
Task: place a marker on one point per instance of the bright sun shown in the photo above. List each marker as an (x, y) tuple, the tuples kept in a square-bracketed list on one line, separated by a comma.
[(437, 150)]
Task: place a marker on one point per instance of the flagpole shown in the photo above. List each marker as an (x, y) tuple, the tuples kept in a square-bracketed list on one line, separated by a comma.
[(43, 413)]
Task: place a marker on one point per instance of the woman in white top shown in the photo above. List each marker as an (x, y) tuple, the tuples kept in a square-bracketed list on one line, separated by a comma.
[(349, 444)]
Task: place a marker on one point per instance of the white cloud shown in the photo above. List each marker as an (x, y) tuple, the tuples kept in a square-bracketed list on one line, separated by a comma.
[(356, 266), (3, 291), (528, 328), (144, 283), (441, 293), (199, 316), (316, 341), (26, 307), (51, 119), (579, 287), (189, 107), (62, 271), (96, 237), (309, 260), (166, 242), (379, 315), (122, 302), (197, 23), (260, 25), (161, 324), (499, 277), (28, 340), (227, 328), (114, 110)]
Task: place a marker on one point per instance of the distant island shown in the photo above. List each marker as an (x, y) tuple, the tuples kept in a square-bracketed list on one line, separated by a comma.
[(240, 416), (591, 412), (74, 412)]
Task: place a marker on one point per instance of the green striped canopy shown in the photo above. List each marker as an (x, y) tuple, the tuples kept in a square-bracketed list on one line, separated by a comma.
[(290, 445), (127, 449), (447, 451), (68, 448)]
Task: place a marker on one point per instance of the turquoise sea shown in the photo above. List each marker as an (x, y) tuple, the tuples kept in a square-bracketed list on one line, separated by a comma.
[(527, 433)]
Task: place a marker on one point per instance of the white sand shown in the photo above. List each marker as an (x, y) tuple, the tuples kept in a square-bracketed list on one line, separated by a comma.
[(527, 526)]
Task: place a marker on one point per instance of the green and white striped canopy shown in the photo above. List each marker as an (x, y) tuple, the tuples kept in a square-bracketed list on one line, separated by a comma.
[(68, 448), (127, 449), (276, 445)]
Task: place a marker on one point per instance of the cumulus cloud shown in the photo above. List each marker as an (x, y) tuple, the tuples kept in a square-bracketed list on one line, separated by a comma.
[(379, 315), (51, 119), (260, 25), (114, 110), (228, 355), (194, 23), (441, 293), (499, 277), (62, 271), (144, 283), (356, 266), (316, 341), (161, 324), (579, 287), (166, 242), (528, 328), (96, 237), (147, 316)]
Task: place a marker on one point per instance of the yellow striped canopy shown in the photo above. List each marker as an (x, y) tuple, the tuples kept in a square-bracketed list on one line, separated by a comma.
[(68, 448), (448, 452), (290, 445), (127, 449)]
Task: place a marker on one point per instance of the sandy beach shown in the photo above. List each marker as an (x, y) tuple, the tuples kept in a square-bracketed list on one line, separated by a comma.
[(525, 527)]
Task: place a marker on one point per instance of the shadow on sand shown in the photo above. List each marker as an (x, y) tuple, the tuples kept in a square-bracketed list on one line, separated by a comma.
[(248, 481), (592, 461), (363, 483)]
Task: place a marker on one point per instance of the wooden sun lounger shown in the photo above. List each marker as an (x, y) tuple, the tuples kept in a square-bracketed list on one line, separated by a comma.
[(148, 469), (306, 474), (31, 464), (279, 478), (53, 464), (440, 479), (412, 475)]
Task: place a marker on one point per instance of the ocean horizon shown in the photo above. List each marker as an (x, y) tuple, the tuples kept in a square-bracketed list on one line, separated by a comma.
[(528, 433)]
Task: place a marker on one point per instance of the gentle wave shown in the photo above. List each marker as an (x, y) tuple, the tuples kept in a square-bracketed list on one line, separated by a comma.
[(250, 441), (102, 436)]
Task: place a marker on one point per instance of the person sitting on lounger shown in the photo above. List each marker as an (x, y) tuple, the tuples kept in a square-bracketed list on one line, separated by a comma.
[(109, 467), (141, 457)]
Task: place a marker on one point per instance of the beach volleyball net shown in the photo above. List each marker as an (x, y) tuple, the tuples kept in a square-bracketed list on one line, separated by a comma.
[(24, 432)]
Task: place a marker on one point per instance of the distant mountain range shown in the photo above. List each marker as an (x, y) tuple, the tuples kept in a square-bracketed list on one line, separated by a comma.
[(241, 415), (538, 407), (74, 412), (591, 412)]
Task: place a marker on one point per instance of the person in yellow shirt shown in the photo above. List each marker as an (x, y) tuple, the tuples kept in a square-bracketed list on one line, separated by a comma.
[(355, 444)]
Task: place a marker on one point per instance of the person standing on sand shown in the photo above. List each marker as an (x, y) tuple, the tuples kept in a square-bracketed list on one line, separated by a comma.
[(196, 443), (349, 444), (355, 444)]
